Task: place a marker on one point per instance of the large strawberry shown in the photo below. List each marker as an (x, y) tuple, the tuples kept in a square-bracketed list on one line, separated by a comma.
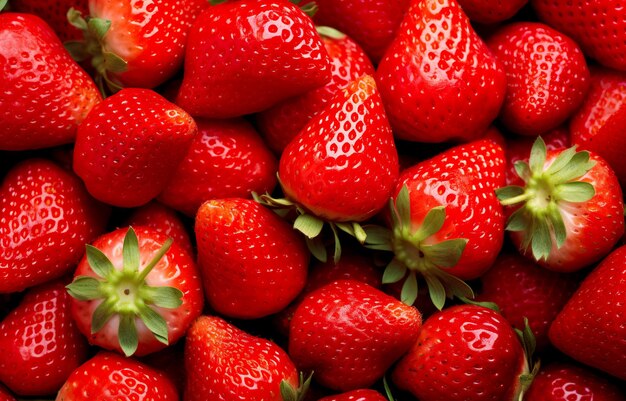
[(46, 217), (135, 292), (54, 13), (5, 395), (489, 11), (592, 326), (438, 80), (44, 94), (245, 56), (130, 145)]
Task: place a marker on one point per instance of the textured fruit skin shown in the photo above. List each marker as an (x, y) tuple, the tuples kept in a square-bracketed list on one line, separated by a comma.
[(46, 217), (55, 14), (350, 333), (282, 122), (111, 377), (242, 57), (454, 349), (225, 363), (599, 26), (356, 395), (226, 159), (438, 80), (5, 395), (252, 262), (591, 327), (129, 146), (491, 12), (176, 269), (547, 76), (40, 341), (343, 164), (44, 94), (565, 381), (598, 124)]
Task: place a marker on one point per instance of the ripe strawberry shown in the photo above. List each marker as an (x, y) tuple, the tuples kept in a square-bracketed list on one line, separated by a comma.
[(350, 333), (242, 57), (252, 263), (46, 216), (225, 363), (356, 395), (111, 377), (567, 209), (40, 342), (591, 328), (55, 14), (130, 145), (491, 12), (135, 292), (547, 76), (282, 122), (44, 94), (464, 352), (227, 158), (438, 80), (598, 26), (5, 395)]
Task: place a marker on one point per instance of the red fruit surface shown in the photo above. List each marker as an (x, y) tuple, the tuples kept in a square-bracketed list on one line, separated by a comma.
[(356, 395), (5, 395), (55, 14), (489, 11)]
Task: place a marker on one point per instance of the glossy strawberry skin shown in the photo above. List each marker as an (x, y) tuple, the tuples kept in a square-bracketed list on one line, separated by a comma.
[(242, 57), (226, 159), (350, 333), (547, 76), (44, 94), (343, 164), (490, 12), (46, 217), (130, 145), (40, 341), (591, 328), (356, 395), (5, 395), (438, 80), (55, 14)]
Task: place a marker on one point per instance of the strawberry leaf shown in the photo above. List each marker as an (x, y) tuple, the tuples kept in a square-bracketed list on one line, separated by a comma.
[(98, 27), (317, 248), (127, 335), (308, 225), (394, 272), (85, 288), (408, 294), (538, 154), (403, 205), (522, 169), (155, 323), (436, 291), (330, 32), (101, 316), (445, 253), (98, 261), (432, 222), (378, 238), (387, 389), (541, 242), (485, 304), (130, 251), (164, 297), (575, 191), (76, 19)]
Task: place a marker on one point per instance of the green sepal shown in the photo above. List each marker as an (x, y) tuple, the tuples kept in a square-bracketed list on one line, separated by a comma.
[(98, 261), (378, 238), (394, 272), (517, 221), (317, 248), (575, 191), (155, 323), (76, 19), (541, 242), (330, 32), (562, 160), (408, 294), (310, 9), (101, 316), (85, 288), (485, 304), (508, 192), (576, 168), (130, 251), (538, 154), (3, 4), (403, 205), (164, 297), (387, 389), (522, 169), (445, 253), (353, 229), (114, 63), (289, 393), (77, 50), (127, 335), (432, 222), (528, 341), (436, 291), (98, 27), (337, 251), (308, 225), (558, 227)]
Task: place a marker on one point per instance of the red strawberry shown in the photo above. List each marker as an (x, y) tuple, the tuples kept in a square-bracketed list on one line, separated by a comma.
[(598, 125), (350, 333), (438, 80), (356, 395), (111, 377), (130, 145), (5, 395), (598, 26), (547, 76), (567, 211), (281, 123), (226, 159), (489, 11), (253, 264), (242, 57), (44, 94), (54, 13), (46, 216), (591, 328), (225, 363), (135, 292), (465, 352), (40, 342)]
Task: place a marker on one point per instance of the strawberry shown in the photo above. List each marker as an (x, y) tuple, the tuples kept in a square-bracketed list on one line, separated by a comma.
[(464, 352), (227, 158), (41, 343), (135, 292), (55, 14), (356, 395), (591, 328), (547, 76), (438, 80), (566, 209), (111, 377), (282, 122), (490, 12), (5, 395), (242, 57), (130, 145), (252, 263), (226, 363), (46, 216), (350, 333), (44, 94), (598, 26)]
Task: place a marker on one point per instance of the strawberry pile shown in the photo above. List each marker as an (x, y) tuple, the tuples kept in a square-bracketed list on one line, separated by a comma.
[(328, 200)]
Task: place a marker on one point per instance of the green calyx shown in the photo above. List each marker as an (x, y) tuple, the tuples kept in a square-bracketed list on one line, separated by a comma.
[(330, 32), (309, 7), (415, 256), (539, 216), (289, 393), (532, 365), (3, 4), (125, 293)]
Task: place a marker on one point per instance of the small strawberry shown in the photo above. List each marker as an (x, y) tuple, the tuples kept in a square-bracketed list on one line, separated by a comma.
[(135, 292), (129, 146), (356, 395), (55, 14), (489, 11), (438, 80)]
